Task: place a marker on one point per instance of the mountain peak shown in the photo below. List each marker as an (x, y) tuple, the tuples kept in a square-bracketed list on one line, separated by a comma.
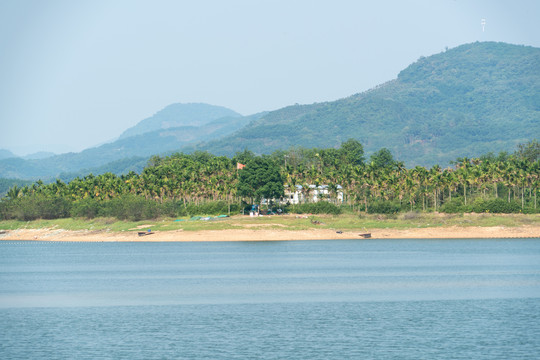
[(6, 154), (180, 114), (465, 62)]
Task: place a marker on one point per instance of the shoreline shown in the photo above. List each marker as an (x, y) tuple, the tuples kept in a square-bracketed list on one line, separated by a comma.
[(451, 232)]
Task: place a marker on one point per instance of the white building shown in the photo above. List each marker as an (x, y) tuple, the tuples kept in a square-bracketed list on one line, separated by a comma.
[(312, 194)]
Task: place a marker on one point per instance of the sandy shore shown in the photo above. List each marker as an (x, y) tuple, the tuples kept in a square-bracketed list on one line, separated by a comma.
[(272, 235)]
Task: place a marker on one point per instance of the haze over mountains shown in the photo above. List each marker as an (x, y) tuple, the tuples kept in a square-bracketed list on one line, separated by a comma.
[(180, 116), (165, 131), (466, 101)]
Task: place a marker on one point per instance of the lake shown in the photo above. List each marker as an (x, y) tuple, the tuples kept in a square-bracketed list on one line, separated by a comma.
[(365, 299)]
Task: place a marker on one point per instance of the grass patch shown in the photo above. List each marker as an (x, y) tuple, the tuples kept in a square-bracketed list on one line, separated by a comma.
[(345, 222)]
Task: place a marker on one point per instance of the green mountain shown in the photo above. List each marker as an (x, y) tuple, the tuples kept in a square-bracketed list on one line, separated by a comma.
[(127, 153), (466, 101)]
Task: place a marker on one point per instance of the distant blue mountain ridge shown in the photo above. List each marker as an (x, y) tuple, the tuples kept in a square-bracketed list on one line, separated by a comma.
[(166, 131), (180, 115)]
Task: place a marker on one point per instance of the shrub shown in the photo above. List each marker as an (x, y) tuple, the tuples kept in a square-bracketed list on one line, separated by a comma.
[(208, 208), (173, 208), (496, 206), (130, 207), (383, 207), (531, 210), (453, 206), (213, 208), (37, 206), (87, 208), (321, 207), (6, 209)]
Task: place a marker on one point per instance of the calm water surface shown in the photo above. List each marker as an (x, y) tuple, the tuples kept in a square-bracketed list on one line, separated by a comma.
[(363, 299)]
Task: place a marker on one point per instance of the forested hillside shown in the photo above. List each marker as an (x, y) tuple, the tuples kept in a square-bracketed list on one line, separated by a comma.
[(466, 101)]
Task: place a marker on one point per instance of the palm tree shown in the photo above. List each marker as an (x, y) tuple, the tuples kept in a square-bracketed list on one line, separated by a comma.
[(14, 192), (436, 179)]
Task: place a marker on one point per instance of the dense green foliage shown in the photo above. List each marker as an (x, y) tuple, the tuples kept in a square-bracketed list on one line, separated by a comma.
[(321, 207), (529, 151), (467, 101), (260, 179), (384, 159), (384, 207), (201, 183)]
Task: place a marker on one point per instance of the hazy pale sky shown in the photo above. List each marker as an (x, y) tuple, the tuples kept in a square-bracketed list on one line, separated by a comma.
[(74, 74)]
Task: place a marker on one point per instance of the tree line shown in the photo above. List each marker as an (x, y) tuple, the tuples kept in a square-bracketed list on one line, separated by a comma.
[(201, 183)]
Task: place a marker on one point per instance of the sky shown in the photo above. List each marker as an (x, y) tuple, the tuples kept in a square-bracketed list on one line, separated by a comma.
[(75, 74)]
